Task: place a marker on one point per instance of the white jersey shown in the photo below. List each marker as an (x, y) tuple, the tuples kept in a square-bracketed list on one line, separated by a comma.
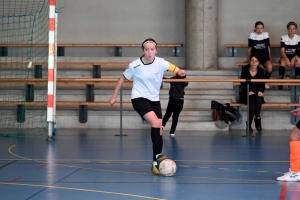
[(259, 44), (147, 78), (290, 45)]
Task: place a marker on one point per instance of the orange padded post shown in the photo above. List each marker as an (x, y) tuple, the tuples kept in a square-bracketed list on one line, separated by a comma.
[(295, 156)]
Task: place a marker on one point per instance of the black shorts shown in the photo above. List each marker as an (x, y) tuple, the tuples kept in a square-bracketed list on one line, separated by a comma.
[(143, 106), (263, 60), (290, 58)]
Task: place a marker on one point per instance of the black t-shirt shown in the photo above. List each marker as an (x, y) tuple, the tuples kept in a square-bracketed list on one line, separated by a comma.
[(259, 44), (253, 86)]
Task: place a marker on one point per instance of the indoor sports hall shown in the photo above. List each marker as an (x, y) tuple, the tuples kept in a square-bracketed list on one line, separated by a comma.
[(65, 133)]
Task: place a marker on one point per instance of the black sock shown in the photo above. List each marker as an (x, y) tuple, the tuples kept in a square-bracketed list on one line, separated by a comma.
[(157, 142), (297, 71), (267, 75), (281, 71)]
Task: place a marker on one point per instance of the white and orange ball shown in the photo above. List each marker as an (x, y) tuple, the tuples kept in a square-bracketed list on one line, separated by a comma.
[(167, 167)]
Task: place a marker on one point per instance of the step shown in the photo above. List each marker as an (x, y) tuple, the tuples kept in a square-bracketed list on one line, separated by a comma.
[(179, 61), (130, 121), (271, 120), (196, 114), (118, 73), (225, 63), (226, 96), (189, 119)]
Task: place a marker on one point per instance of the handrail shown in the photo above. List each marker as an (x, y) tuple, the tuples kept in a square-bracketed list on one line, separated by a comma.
[(244, 63), (64, 63), (89, 45), (96, 80)]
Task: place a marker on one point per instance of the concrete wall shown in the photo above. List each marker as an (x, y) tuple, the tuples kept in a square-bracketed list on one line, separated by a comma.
[(236, 19), (131, 21), (121, 21)]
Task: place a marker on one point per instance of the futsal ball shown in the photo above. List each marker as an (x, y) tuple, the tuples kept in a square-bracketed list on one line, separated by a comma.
[(167, 167)]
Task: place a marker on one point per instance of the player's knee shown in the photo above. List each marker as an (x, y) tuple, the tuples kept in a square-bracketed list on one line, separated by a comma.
[(154, 122), (295, 134), (269, 68)]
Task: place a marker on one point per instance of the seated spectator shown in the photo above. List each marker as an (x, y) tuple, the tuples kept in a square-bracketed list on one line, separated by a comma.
[(289, 44), (259, 44), (256, 96)]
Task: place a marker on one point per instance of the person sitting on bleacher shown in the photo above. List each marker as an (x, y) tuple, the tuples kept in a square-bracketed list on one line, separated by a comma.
[(256, 89), (289, 44), (259, 44)]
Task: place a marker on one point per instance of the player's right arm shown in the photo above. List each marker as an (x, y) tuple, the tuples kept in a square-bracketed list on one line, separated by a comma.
[(113, 98), (296, 112), (127, 75)]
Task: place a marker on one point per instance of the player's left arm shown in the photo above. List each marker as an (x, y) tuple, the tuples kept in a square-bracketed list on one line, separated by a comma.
[(173, 68)]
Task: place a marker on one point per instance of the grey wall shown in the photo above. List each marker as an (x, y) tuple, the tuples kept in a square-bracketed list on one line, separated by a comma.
[(121, 21), (236, 19), (132, 21)]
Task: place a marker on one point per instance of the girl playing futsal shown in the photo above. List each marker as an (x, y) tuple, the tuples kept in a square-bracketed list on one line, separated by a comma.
[(259, 44), (147, 73), (293, 174)]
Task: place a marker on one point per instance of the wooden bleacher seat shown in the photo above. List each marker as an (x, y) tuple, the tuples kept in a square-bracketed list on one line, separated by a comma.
[(72, 82), (238, 84), (241, 64), (118, 47), (244, 64), (277, 105), (270, 104), (89, 45), (246, 45), (67, 83), (66, 105), (234, 46), (68, 65), (89, 65)]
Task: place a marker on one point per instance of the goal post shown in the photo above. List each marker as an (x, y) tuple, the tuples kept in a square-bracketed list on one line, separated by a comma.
[(25, 60)]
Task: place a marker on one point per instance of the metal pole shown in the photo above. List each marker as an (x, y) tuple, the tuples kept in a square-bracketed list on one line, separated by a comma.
[(121, 113), (248, 123), (49, 130), (51, 54), (247, 129), (55, 73)]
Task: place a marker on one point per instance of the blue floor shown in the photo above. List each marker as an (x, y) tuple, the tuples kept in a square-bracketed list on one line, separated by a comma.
[(96, 164)]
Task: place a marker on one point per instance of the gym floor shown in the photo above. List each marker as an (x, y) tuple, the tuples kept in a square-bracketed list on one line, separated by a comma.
[(96, 164)]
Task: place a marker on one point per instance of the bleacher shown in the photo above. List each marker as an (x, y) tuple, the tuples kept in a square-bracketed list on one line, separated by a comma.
[(79, 84)]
